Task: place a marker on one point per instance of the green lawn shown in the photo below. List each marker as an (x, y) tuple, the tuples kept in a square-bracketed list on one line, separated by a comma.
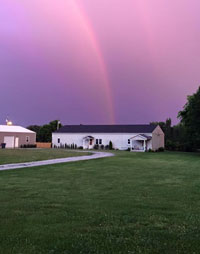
[(27, 155), (131, 203)]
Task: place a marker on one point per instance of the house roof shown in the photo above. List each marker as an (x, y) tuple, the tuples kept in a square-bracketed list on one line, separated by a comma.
[(142, 136), (88, 137), (138, 128), (15, 129)]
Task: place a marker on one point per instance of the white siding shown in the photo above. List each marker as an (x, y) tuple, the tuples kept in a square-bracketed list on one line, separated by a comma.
[(119, 140)]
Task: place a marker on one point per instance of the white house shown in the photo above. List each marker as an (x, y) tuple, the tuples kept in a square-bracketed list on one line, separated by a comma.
[(135, 137)]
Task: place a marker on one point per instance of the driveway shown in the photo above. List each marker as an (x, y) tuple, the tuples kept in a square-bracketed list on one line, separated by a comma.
[(95, 155)]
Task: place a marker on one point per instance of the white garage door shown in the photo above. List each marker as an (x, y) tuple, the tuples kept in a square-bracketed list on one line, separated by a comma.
[(9, 141)]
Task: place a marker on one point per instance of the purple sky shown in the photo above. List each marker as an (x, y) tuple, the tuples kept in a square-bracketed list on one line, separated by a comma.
[(97, 62)]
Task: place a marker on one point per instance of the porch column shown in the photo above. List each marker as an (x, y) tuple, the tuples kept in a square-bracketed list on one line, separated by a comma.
[(144, 145)]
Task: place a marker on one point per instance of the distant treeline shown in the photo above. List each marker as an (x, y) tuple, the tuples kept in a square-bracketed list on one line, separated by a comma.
[(184, 136), (44, 132)]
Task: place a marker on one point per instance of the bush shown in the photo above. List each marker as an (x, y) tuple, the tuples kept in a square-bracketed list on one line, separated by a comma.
[(80, 147), (160, 149), (107, 147), (128, 149), (171, 145), (28, 146), (110, 145), (62, 146), (67, 146), (96, 147), (102, 147)]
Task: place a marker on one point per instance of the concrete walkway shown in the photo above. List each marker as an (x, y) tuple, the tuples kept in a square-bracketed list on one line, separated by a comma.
[(95, 155)]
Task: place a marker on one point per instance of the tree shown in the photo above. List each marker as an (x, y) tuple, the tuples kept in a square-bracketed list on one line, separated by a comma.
[(35, 128), (190, 118), (110, 145), (44, 133)]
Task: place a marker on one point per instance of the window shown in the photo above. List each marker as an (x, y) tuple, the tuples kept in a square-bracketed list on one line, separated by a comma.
[(27, 139), (98, 141), (58, 140), (90, 141), (129, 141)]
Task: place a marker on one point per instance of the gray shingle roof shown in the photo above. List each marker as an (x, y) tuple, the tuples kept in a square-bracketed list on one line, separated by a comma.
[(138, 128)]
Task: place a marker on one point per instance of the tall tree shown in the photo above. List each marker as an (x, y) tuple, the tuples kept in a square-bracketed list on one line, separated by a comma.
[(35, 128), (190, 118), (44, 133)]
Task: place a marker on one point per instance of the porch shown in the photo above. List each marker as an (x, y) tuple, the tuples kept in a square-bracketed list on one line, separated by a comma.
[(88, 142), (139, 143)]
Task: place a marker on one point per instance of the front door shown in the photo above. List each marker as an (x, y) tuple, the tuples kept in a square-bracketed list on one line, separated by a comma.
[(90, 143)]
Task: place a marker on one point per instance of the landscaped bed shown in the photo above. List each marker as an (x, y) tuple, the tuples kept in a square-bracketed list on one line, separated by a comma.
[(27, 155), (130, 203)]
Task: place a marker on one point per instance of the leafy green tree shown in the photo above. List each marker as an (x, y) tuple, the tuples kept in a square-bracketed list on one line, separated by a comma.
[(190, 118), (44, 133), (35, 128)]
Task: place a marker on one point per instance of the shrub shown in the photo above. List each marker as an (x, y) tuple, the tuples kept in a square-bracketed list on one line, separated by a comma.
[(160, 149), (80, 147), (110, 145), (96, 147), (107, 147), (102, 147), (28, 146), (128, 149), (171, 145)]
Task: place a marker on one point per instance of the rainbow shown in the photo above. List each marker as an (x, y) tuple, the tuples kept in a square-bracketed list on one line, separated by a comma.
[(71, 11), (89, 31)]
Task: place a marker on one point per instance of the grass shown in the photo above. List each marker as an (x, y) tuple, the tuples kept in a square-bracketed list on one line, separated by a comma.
[(26, 155), (131, 203)]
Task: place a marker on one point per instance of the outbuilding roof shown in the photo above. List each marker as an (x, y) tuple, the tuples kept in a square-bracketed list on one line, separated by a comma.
[(14, 129), (137, 128)]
